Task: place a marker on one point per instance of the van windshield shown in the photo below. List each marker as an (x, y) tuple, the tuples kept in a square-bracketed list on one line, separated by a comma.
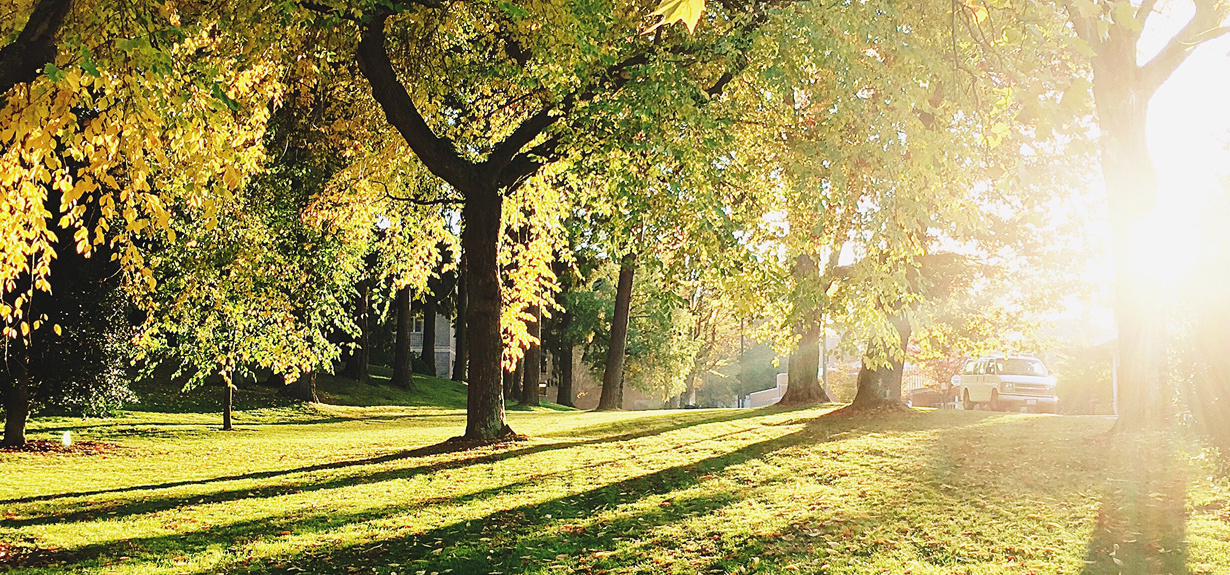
[(1018, 366)]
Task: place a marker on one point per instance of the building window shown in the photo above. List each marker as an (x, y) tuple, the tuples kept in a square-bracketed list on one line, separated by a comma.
[(416, 325)]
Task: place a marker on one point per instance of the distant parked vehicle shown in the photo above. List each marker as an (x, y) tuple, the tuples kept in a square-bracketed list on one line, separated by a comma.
[(1005, 382)]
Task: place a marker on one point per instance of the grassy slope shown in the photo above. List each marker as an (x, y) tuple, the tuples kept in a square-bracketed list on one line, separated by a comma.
[(358, 489)]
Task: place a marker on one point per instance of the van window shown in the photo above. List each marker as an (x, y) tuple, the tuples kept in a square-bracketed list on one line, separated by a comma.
[(969, 367), (1021, 366)]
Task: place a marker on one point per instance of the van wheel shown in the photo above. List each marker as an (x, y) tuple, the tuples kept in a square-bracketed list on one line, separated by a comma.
[(995, 406), (966, 404)]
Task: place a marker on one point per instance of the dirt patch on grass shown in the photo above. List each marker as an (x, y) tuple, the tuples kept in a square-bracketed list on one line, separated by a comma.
[(48, 447)]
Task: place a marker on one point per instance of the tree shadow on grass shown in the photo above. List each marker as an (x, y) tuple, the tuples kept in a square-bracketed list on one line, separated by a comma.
[(106, 509), (86, 513), (540, 534), (656, 424), (566, 533), (509, 540), (533, 529), (1142, 519)]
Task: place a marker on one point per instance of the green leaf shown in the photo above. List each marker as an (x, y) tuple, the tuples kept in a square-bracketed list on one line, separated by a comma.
[(218, 93), (87, 63), (686, 11), (53, 73)]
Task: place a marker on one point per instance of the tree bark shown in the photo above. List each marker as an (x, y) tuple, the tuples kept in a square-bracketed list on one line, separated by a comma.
[(480, 243), (403, 368), (518, 380), (16, 404), (612, 378), (429, 333), (688, 397), (1131, 184), (803, 385), (228, 399), (35, 47), (507, 381), (302, 389), (533, 362), (356, 365), (565, 395), (880, 387), (461, 361)]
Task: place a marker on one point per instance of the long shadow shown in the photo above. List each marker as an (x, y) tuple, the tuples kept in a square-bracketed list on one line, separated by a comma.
[(503, 541), (510, 540), (407, 454), (105, 509), (525, 523), (1142, 519), (659, 424), (534, 536)]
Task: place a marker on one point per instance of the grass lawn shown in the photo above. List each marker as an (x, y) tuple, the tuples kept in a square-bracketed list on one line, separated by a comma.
[(360, 489)]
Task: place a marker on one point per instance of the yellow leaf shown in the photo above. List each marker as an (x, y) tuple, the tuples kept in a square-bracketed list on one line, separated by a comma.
[(686, 11), (56, 328)]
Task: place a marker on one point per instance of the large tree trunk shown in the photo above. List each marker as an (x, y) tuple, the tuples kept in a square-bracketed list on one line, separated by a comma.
[(880, 387), (461, 361), (228, 400), (612, 378), (356, 365), (403, 367), (803, 385), (480, 242), (302, 389), (688, 397), (533, 362), (429, 333), (25, 58), (1131, 185), (16, 404)]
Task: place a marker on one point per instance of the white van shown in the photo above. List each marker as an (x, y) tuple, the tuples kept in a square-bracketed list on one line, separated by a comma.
[(1005, 382)]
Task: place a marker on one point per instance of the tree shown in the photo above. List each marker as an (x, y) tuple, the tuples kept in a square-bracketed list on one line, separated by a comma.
[(1109, 33), (532, 366), (403, 366), (613, 373), (490, 117), (360, 356), (35, 47), (110, 116), (461, 346)]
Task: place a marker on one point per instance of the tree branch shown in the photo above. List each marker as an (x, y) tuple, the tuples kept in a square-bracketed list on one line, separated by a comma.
[(432, 202), (1144, 11), (506, 151), (1085, 28), (1205, 25), (437, 154), (22, 61)]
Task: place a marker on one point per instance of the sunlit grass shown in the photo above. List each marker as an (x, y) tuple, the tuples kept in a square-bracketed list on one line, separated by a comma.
[(358, 490)]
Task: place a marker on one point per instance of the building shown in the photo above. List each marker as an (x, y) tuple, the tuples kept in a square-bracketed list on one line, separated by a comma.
[(446, 345)]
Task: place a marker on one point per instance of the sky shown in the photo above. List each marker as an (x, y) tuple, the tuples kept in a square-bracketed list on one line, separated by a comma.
[(1189, 131)]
